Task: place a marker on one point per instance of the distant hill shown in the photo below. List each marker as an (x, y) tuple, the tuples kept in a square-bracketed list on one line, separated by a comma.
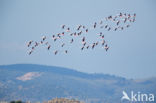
[(42, 83)]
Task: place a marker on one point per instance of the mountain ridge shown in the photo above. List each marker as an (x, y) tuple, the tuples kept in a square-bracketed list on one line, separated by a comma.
[(42, 83), (60, 70)]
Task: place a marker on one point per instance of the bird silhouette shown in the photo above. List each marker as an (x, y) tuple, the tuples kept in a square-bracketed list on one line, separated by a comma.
[(48, 47), (63, 26), (55, 52), (66, 51), (63, 45), (29, 43), (43, 38), (106, 47)]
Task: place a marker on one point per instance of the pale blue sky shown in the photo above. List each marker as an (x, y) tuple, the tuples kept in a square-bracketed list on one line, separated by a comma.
[(132, 52)]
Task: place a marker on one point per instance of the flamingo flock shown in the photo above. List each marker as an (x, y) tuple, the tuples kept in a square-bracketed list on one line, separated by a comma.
[(88, 37)]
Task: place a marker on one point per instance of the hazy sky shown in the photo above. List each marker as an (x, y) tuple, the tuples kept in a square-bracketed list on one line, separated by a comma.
[(132, 52)]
